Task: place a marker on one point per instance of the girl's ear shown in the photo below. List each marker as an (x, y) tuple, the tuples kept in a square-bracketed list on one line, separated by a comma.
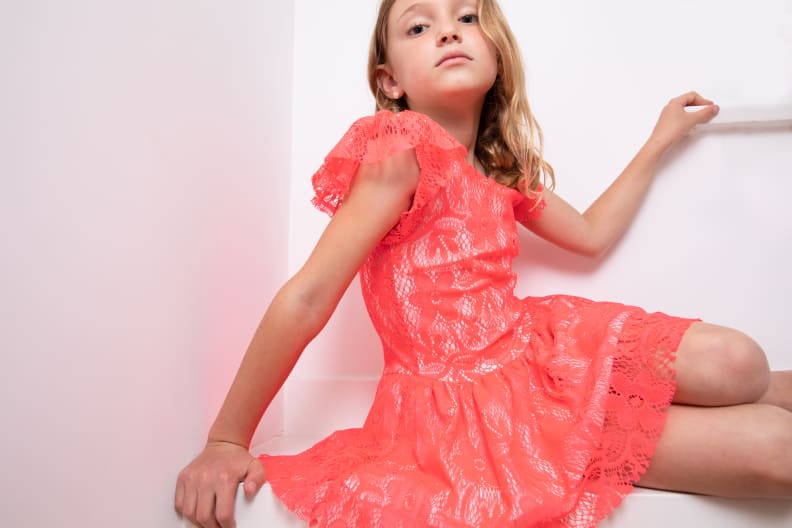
[(388, 84)]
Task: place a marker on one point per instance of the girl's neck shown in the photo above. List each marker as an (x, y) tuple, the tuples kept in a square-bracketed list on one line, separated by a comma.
[(462, 125)]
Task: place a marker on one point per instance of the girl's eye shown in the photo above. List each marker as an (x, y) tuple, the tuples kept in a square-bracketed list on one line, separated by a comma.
[(417, 29), (468, 19)]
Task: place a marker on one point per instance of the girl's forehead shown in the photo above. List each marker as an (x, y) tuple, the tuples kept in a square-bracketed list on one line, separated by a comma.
[(402, 7)]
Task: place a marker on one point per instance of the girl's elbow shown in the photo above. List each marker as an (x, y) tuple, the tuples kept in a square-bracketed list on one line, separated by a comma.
[(593, 248), (302, 308), (591, 252)]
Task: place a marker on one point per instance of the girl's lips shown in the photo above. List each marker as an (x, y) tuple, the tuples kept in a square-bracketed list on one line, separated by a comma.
[(453, 58)]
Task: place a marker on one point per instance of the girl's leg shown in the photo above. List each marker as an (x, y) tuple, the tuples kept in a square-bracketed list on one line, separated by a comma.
[(721, 442), (736, 451), (780, 391), (718, 366)]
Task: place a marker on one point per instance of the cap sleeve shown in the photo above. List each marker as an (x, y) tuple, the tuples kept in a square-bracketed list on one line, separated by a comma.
[(375, 138), (332, 181), (529, 206)]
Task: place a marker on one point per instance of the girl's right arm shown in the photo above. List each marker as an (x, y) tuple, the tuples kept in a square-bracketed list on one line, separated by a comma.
[(592, 232), (379, 194)]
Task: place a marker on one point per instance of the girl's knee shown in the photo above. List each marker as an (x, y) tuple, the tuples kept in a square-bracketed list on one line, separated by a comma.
[(725, 362), (744, 362)]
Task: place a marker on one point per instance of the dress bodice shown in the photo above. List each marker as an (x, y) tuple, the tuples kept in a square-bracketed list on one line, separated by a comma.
[(441, 297), (439, 287)]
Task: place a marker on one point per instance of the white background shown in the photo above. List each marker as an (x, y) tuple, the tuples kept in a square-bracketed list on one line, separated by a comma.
[(155, 163), (144, 157)]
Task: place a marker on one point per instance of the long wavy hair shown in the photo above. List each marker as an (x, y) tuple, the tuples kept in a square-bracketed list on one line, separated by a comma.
[(510, 142)]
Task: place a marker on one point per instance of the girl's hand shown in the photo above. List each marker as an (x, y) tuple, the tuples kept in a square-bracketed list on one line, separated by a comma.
[(206, 489), (675, 122)]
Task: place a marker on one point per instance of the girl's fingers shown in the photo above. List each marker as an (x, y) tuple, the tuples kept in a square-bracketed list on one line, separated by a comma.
[(206, 489), (224, 505), (692, 118), (692, 98), (706, 113), (205, 510), (256, 477), (189, 503), (178, 500), (675, 121), (702, 115)]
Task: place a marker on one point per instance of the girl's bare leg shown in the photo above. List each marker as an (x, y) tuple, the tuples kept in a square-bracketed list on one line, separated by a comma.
[(718, 440), (780, 391), (718, 366), (737, 451)]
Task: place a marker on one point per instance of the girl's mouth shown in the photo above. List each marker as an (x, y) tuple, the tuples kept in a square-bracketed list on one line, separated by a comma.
[(453, 58)]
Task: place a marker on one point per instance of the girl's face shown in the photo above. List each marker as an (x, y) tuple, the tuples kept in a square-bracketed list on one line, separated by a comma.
[(437, 57)]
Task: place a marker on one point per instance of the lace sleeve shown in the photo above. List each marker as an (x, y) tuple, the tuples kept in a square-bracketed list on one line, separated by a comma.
[(375, 138), (529, 206)]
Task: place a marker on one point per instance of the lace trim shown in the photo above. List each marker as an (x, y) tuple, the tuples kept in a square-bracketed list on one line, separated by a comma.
[(374, 138)]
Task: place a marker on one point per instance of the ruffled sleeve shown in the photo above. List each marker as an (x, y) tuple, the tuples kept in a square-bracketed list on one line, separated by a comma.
[(375, 138), (529, 206)]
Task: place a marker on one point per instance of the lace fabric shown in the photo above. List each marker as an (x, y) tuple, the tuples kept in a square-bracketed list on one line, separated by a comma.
[(492, 411)]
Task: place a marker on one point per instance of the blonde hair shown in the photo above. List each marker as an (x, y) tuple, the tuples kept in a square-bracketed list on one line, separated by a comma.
[(510, 142)]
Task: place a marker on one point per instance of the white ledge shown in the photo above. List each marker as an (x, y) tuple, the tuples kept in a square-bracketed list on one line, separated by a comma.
[(643, 508), (351, 399), (746, 118)]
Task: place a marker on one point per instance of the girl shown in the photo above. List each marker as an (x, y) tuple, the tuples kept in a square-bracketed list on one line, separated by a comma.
[(491, 410)]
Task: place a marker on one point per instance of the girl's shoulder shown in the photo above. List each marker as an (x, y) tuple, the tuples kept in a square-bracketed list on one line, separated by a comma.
[(374, 137)]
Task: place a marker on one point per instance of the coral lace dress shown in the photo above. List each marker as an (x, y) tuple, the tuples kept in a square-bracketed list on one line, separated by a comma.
[(492, 411)]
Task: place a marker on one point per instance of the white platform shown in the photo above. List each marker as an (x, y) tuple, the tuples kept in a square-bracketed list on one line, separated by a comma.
[(642, 509), (351, 399)]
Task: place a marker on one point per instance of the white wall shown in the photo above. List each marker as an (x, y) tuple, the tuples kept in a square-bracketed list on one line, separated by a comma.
[(330, 92), (714, 239), (143, 174)]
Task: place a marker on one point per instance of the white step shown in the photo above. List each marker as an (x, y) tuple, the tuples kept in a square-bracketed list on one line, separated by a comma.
[(306, 423), (643, 508)]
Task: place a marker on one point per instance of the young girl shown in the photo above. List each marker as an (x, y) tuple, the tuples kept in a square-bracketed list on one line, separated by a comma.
[(492, 410)]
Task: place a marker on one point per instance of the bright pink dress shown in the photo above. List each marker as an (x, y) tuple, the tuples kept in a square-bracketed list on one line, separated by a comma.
[(492, 411)]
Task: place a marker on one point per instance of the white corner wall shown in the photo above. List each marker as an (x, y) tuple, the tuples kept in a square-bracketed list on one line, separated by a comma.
[(330, 92), (714, 238), (144, 172)]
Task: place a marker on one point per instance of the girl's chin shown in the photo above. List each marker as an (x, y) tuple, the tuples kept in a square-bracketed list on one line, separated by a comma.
[(458, 96), (460, 99), (461, 90)]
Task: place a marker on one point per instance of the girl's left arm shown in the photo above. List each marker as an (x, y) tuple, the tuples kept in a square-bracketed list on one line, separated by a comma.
[(595, 230)]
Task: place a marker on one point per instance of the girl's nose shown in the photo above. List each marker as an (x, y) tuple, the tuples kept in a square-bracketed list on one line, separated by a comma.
[(449, 34)]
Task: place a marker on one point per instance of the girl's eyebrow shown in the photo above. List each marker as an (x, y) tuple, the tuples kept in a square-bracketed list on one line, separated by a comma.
[(411, 8), (417, 5)]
